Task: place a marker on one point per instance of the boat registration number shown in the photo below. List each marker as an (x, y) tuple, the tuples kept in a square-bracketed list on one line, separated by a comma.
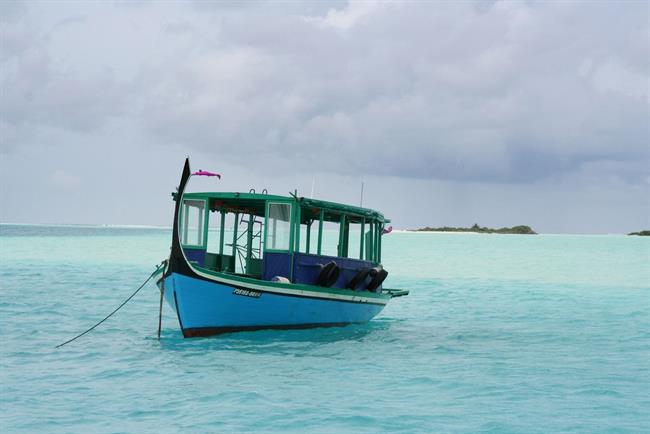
[(247, 292)]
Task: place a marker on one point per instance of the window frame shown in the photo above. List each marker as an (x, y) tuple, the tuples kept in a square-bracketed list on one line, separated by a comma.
[(291, 230), (183, 220)]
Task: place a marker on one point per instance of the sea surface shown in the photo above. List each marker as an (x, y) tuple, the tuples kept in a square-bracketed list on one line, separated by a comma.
[(500, 334)]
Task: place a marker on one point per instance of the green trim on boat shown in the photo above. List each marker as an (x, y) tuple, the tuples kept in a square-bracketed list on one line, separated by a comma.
[(395, 292), (296, 286), (257, 202)]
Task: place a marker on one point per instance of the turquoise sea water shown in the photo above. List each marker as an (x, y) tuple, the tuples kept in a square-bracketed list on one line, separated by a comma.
[(501, 333)]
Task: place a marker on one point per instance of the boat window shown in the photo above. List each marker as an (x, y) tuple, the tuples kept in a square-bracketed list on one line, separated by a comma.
[(193, 222), (278, 229)]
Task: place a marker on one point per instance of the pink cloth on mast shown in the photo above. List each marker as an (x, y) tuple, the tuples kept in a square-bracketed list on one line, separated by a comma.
[(388, 230), (206, 173)]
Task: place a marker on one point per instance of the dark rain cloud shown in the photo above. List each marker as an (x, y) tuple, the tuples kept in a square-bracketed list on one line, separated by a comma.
[(38, 94), (511, 93), (500, 92)]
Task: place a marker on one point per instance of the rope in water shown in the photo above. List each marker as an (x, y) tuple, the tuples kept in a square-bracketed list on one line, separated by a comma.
[(112, 313)]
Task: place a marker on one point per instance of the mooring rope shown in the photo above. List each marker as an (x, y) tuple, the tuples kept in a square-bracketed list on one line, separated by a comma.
[(118, 308)]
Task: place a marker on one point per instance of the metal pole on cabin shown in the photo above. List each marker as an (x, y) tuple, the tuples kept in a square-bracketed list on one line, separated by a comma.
[(371, 242), (249, 243), (297, 220), (199, 228), (185, 225), (363, 237), (376, 244), (320, 231), (346, 238), (380, 231), (234, 243), (339, 249), (206, 225), (294, 238), (221, 234), (308, 240)]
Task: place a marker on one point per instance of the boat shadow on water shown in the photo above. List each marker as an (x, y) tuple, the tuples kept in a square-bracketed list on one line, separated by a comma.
[(282, 340)]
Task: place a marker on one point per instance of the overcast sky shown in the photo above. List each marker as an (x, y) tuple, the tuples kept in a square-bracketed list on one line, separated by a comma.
[(451, 113)]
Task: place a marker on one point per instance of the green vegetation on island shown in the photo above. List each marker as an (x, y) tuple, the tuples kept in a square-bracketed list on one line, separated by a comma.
[(523, 230), (642, 233)]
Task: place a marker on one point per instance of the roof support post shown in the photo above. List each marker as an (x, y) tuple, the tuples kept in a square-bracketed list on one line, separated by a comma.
[(346, 238), (380, 230), (184, 223), (221, 235), (249, 243), (234, 241), (363, 236), (371, 242), (296, 219), (308, 240), (204, 220), (294, 238), (339, 248), (320, 231)]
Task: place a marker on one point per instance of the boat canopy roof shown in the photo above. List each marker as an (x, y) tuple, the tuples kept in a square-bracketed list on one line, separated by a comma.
[(255, 203)]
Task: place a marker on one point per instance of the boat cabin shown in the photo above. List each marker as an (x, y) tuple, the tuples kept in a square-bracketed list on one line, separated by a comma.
[(283, 238)]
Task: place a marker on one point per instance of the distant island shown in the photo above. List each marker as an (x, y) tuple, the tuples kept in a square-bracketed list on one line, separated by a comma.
[(523, 230), (642, 233)]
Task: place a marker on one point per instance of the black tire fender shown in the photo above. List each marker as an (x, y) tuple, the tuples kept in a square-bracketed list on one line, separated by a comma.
[(329, 274), (359, 278), (378, 276)]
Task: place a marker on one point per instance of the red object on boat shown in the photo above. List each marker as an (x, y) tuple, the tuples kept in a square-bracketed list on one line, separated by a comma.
[(388, 230), (206, 173)]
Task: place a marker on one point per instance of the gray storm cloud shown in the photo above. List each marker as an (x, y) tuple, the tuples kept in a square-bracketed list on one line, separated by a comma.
[(508, 93), (511, 93), (500, 93)]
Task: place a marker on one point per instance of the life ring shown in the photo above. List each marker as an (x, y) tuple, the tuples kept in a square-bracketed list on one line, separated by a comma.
[(329, 274), (359, 278), (378, 276)]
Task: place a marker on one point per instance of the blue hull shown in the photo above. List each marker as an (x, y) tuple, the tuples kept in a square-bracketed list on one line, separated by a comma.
[(207, 308)]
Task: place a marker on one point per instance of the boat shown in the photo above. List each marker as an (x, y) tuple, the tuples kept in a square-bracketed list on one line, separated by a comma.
[(273, 269)]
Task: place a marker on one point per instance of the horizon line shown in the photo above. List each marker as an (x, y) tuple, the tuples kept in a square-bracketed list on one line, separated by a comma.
[(399, 230)]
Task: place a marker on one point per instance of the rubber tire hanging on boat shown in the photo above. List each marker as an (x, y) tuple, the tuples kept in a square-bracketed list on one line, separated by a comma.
[(378, 276), (359, 278), (329, 274)]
